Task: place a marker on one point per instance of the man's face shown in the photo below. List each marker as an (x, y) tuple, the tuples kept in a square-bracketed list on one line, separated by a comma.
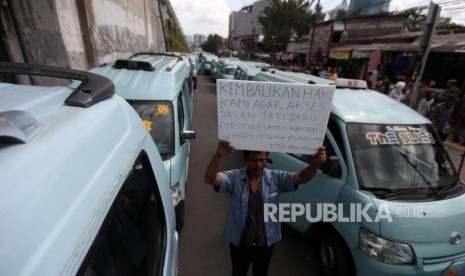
[(256, 162)]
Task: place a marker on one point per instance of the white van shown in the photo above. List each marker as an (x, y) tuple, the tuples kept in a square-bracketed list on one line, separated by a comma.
[(83, 189), (158, 86)]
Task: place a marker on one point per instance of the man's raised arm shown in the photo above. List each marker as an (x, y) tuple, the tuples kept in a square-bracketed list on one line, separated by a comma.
[(211, 175)]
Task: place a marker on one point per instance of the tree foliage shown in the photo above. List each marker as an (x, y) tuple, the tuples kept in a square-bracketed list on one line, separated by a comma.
[(447, 23), (212, 44), (283, 20), (342, 14), (417, 18)]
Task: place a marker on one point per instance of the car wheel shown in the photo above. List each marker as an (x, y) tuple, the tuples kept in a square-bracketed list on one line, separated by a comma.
[(333, 254), (179, 211)]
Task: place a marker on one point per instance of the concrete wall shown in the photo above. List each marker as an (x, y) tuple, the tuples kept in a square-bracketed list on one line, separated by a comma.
[(81, 34), (38, 32)]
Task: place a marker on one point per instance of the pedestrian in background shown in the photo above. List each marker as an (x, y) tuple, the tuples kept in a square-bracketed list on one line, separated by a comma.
[(397, 93), (407, 93), (459, 118), (440, 116), (423, 90), (333, 74), (424, 106), (451, 89), (250, 238)]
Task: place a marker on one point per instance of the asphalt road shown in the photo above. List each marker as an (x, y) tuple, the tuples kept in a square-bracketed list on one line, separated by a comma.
[(203, 250)]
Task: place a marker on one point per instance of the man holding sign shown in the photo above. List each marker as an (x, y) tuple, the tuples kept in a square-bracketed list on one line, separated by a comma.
[(251, 238)]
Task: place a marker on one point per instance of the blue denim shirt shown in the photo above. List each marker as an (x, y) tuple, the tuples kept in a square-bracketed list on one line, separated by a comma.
[(235, 182)]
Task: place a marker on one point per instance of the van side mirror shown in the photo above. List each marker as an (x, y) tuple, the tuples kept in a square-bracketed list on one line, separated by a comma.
[(332, 167), (188, 135)]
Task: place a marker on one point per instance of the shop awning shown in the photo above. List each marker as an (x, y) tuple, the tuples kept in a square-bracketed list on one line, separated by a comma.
[(342, 54), (441, 43)]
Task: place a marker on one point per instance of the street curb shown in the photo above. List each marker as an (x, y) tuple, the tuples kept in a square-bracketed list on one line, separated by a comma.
[(454, 145)]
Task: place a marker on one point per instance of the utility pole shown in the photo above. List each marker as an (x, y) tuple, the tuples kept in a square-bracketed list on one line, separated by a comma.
[(428, 32), (317, 15)]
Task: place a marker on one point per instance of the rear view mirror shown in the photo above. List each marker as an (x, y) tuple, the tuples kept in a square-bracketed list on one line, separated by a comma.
[(187, 135)]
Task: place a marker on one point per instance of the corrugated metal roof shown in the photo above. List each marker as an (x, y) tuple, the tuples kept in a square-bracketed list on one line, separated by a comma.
[(453, 42)]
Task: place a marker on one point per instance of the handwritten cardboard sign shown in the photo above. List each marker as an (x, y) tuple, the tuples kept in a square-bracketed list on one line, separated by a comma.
[(276, 117)]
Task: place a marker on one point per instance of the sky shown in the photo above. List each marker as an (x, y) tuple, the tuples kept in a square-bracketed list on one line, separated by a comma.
[(212, 16)]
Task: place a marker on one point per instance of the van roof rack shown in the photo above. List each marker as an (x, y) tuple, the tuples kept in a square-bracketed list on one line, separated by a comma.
[(133, 65), (284, 68), (92, 89), (170, 65), (156, 54)]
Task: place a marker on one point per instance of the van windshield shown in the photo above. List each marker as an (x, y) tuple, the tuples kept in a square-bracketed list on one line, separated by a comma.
[(400, 159), (158, 117), (230, 71)]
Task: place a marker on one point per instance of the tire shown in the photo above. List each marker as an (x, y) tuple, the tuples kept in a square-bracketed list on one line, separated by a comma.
[(333, 254), (179, 211)]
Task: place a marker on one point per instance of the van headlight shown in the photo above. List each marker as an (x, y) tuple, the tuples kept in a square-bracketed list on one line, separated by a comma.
[(384, 250), (176, 194)]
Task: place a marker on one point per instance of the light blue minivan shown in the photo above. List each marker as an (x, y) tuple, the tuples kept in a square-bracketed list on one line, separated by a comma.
[(246, 70), (158, 86), (388, 201), (83, 188), (208, 63), (226, 68)]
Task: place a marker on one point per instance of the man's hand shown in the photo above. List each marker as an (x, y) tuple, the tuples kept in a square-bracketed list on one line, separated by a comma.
[(320, 156), (224, 148), (314, 162), (211, 175)]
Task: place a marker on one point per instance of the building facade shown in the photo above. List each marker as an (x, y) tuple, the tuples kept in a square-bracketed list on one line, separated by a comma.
[(199, 39), (244, 29), (369, 7)]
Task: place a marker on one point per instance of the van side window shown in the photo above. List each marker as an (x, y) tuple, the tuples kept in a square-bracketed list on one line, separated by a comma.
[(237, 75), (336, 132), (158, 115), (181, 115), (132, 238)]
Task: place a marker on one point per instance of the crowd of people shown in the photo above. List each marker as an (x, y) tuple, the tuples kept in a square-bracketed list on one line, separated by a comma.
[(444, 107)]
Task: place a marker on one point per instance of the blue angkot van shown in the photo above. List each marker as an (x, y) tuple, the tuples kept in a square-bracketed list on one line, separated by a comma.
[(226, 68), (84, 190), (159, 87), (398, 203), (246, 70)]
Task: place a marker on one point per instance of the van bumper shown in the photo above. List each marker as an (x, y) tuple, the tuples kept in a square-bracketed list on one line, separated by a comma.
[(366, 265)]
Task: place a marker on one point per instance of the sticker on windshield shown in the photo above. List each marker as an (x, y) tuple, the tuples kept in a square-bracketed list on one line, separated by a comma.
[(163, 109), (148, 125), (400, 135)]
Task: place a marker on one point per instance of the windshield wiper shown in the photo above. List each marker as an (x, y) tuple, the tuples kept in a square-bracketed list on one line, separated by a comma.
[(401, 192), (440, 193), (378, 192), (404, 155), (385, 193)]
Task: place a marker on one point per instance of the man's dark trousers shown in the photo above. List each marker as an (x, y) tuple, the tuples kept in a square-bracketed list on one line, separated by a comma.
[(242, 256)]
